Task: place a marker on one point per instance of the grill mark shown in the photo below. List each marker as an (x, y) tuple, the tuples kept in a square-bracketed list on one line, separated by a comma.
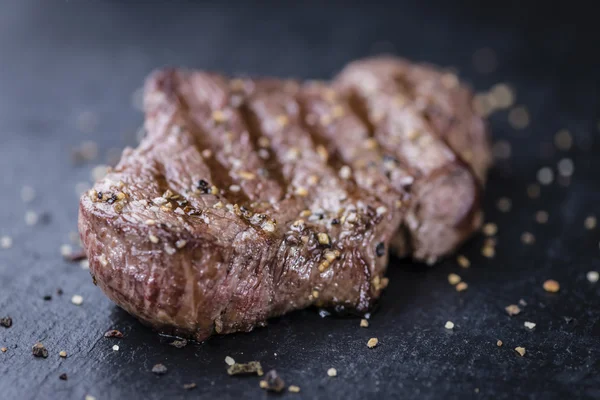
[(350, 135), (218, 171), (411, 145), (359, 109), (294, 148), (272, 165), (292, 135), (228, 135), (445, 120), (178, 148), (335, 159)]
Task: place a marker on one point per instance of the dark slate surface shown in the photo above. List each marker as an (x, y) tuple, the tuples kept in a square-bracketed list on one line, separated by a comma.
[(59, 59)]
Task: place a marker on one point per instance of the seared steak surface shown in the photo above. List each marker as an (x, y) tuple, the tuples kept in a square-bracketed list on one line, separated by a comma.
[(251, 198)]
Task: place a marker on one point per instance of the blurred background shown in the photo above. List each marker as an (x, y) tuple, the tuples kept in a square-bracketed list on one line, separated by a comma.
[(70, 79)]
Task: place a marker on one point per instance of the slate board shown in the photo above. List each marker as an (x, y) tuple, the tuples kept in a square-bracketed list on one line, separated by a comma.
[(68, 63)]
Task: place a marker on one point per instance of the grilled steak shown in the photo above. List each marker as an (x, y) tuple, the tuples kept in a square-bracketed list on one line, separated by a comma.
[(228, 214), (251, 198), (414, 120)]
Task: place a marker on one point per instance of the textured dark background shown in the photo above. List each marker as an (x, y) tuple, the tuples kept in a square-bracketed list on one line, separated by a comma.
[(60, 60)]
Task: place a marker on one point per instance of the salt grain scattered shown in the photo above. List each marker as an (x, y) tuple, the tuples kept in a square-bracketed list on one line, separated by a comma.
[(332, 372), (449, 325), (520, 350), (294, 389), (31, 218), (529, 325), (490, 229), (590, 222), (504, 204), (6, 242), (461, 287), (593, 276), (527, 238), (541, 217), (84, 264), (463, 261), (488, 251), (66, 250), (513, 309), (229, 360), (453, 279), (545, 176), (77, 300), (27, 194), (345, 172), (563, 140), (566, 167), (503, 95), (551, 286), (115, 347), (518, 117)]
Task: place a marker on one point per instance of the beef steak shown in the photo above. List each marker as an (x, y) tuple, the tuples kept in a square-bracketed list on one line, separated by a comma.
[(200, 231), (249, 198)]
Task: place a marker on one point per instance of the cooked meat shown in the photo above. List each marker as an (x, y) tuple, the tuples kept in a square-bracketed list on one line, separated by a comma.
[(445, 194), (251, 198), (448, 107), (199, 230)]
